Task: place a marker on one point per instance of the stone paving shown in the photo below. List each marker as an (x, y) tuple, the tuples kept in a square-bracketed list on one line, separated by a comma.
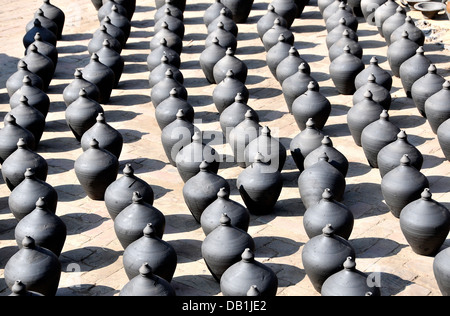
[(92, 256)]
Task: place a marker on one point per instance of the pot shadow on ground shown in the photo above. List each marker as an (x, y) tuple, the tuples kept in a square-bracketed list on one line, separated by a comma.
[(207, 117), (4, 207), (80, 222), (407, 121), (357, 169), (59, 165), (129, 100), (269, 115), (121, 116), (76, 37), (57, 126), (439, 184), (180, 223), (130, 135), (336, 130), (369, 44), (89, 258), (196, 82), (290, 246), (193, 49), (431, 161), (373, 247), (191, 64), (288, 275), (133, 84), (5, 254), (200, 100), (73, 49), (142, 165), (249, 50), (60, 144), (188, 285), (7, 227), (300, 29), (134, 68), (188, 250), (85, 289), (368, 193), (70, 192), (263, 93)]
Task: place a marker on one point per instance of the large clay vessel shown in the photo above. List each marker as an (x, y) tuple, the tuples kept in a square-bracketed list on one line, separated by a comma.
[(174, 24), (120, 21), (328, 211), (15, 81), (29, 118), (402, 185), (45, 22), (167, 110), (161, 90), (151, 249), (55, 14), (98, 39), (270, 38), (383, 77), (114, 31), (72, 90), (230, 62), (36, 98), (289, 66), (147, 284), (201, 190), (173, 40), (332, 8), (413, 69), (296, 85), (180, 4), (10, 135), (213, 12), (22, 200), (425, 223), (336, 33), (45, 48), (323, 4), (343, 71), (382, 13), (379, 93), (287, 9), (337, 48), (100, 75), (443, 135), (392, 23), (227, 20), (324, 255), (239, 8), (305, 142), (96, 169), (112, 59), (441, 271), (266, 21), (241, 276), (400, 51), (437, 107), (425, 87), (40, 65), (415, 34), (368, 8), (260, 186), (225, 92), (154, 58), (46, 228), (277, 53), (224, 246), (344, 11), (46, 34), (209, 58), (129, 5), (226, 38), (106, 9), (376, 135), (37, 267)]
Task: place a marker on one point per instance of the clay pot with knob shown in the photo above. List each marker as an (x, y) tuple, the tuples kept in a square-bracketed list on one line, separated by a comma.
[(22, 200), (161, 90), (106, 9), (368, 8), (112, 30), (177, 135), (425, 223), (296, 85), (382, 77), (402, 185), (224, 246), (226, 38), (99, 38), (289, 66), (337, 48), (335, 157), (380, 94), (189, 158), (270, 37), (29, 118), (389, 156), (356, 7), (129, 224), (277, 53), (241, 276), (214, 10), (15, 81), (100, 75), (324, 255), (336, 33), (443, 135), (413, 69), (349, 282), (437, 107), (96, 169), (441, 271), (36, 98), (266, 21), (129, 5), (305, 142), (343, 71), (383, 12), (225, 92), (159, 72), (318, 177), (332, 8), (154, 58), (328, 211), (118, 194), (362, 114), (55, 14), (174, 24), (45, 22), (209, 58), (15, 166), (40, 65), (72, 90), (425, 87), (342, 12), (240, 9), (260, 186), (151, 249), (392, 23), (323, 4), (287, 9), (173, 40), (180, 4), (107, 136), (201, 190), (119, 20), (147, 284), (228, 23), (230, 62), (237, 213), (376, 135), (112, 59), (415, 34), (37, 267), (44, 226), (45, 48), (167, 110), (46, 34), (311, 104), (10, 135), (82, 114), (20, 289), (97, 4), (400, 51)]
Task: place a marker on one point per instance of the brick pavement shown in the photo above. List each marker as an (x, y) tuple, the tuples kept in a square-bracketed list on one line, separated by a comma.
[(91, 243)]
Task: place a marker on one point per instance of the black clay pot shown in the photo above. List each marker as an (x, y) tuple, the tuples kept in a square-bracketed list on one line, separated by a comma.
[(15, 166), (383, 77), (154, 251), (265, 22), (305, 142), (29, 118), (55, 14), (162, 89), (209, 58), (45, 22), (362, 114), (437, 107), (392, 23), (234, 114), (119, 193), (129, 224), (98, 39), (46, 34), (332, 8), (112, 30), (415, 34), (180, 4), (228, 23), (402, 185), (174, 11), (20, 289), (36, 98), (82, 114), (174, 24), (356, 7), (269, 147), (270, 37), (159, 72), (380, 94), (173, 40), (425, 87), (240, 136), (44, 226), (241, 276), (389, 156), (40, 65), (443, 135), (154, 58), (236, 212), (311, 104), (202, 189), (96, 169), (190, 157), (277, 53), (100, 75), (224, 246), (441, 271), (368, 8), (214, 10), (425, 223), (22, 200), (10, 135), (318, 177), (383, 12), (323, 4), (112, 59), (37, 267), (287, 9), (230, 62), (350, 282), (296, 85), (177, 135), (225, 92), (239, 8), (129, 5), (344, 11), (45, 48), (337, 48), (106, 9), (15, 81), (400, 51), (167, 110), (147, 284), (119, 20), (324, 255), (289, 66), (336, 33), (413, 69), (72, 90), (335, 157), (343, 71), (260, 186), (226, 38), (328, 211), (377, 135)]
